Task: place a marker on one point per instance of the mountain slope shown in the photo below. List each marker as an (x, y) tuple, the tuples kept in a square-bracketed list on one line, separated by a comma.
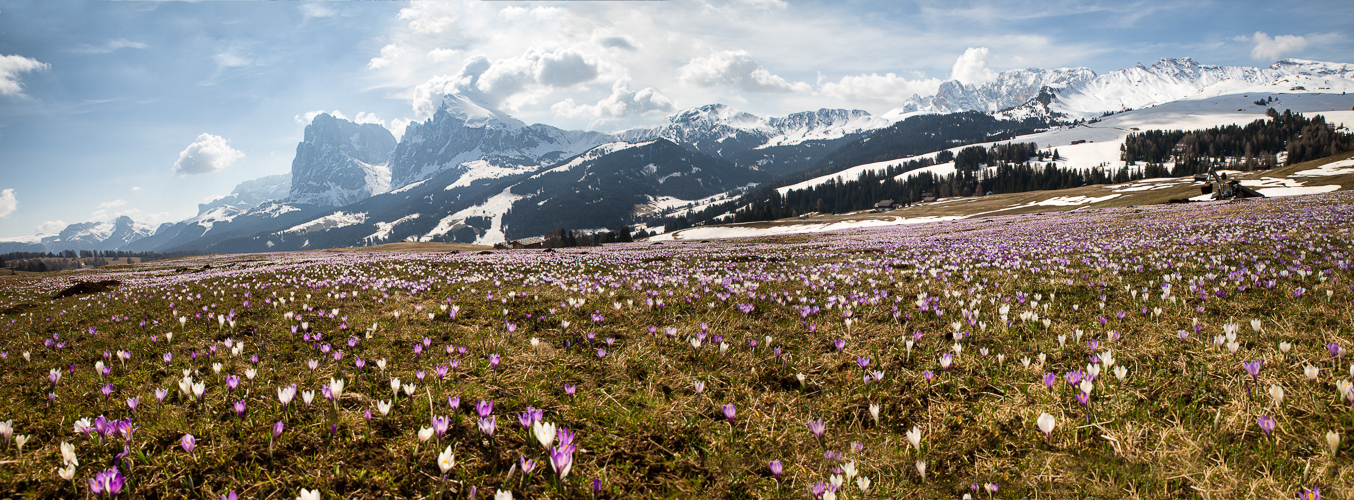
[(603, 190), (340, 162), (464, 131), (777, 145)]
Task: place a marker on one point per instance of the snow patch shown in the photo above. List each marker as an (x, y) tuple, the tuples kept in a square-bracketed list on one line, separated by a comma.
[(332, 221), (383, 229), (1341, 167), (493, 208)]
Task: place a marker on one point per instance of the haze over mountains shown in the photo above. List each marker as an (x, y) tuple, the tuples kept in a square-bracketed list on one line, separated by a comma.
[(471, 173)]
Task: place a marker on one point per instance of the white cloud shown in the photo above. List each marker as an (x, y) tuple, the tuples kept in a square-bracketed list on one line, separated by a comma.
[(1269, 49), (8, 203), (113, 204), (207, 154), (233, 59), (316, 10), (51, 227), (442, 55), (620, 104), (396, 126), (136, 188), (427, 18), (873, 88), (766, 4), (389, 54), (11, 66), (735, 68), (611, 41), (111, 45), (508, 82), (971, 68)]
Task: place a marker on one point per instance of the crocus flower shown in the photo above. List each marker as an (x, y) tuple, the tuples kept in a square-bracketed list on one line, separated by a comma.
[(487, 425), (561, 459), (777, 468), (1253, 368), (445, 460), (1046, 423), (1266, 424), (817, 428), (484, 408), (188, 443), (730, 411), (106, 483)]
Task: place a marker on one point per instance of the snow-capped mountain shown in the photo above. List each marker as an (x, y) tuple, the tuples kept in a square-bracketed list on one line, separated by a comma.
[(605, 189), (107, 235), (776, 145), (340, 162), (1080, 93), (1176, 79), (471, 173), (251, 193), (463, 131)]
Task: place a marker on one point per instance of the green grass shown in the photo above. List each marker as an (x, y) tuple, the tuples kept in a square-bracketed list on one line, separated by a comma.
[(1181, 425)]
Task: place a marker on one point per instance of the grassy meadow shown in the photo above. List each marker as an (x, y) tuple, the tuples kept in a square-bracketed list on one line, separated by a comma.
[(1179, 351)]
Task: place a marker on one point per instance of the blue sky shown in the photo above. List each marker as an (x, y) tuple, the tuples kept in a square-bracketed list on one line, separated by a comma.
[(149, 108)]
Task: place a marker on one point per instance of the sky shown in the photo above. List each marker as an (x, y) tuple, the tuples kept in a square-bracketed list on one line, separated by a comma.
[(148, 108)]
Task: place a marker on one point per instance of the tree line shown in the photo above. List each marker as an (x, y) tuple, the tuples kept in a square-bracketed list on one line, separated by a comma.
[(1254, 146), (41, 262)]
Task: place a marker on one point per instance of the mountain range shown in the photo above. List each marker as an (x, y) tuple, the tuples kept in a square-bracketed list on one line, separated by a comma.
[(471, 173)]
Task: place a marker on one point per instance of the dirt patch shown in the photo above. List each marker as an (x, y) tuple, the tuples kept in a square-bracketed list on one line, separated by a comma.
[(85, 287), (18, 308)]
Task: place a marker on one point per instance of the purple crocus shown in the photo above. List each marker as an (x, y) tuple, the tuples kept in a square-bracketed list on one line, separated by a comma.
[(730, 411), (484, 408), (487, 425), (106, 483), (493, 361), (232, 381), (1049, 379), (188, 443), (570, 390), (1266, 424), (1253, 368), (777, 468), (561, 459), (817, 428), (240, 408)]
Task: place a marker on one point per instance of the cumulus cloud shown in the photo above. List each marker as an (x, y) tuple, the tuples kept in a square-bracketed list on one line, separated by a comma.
[(735, 68), (620, 104), (888, 88), (207, 154), (971, 68), (11, 67), (51, 227), (389, 54), (442, 55), (111, 45), (8, 203), (494, 82), (396, 126), (427, 18), (615, 42), (1269, 49), (109, 206)]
